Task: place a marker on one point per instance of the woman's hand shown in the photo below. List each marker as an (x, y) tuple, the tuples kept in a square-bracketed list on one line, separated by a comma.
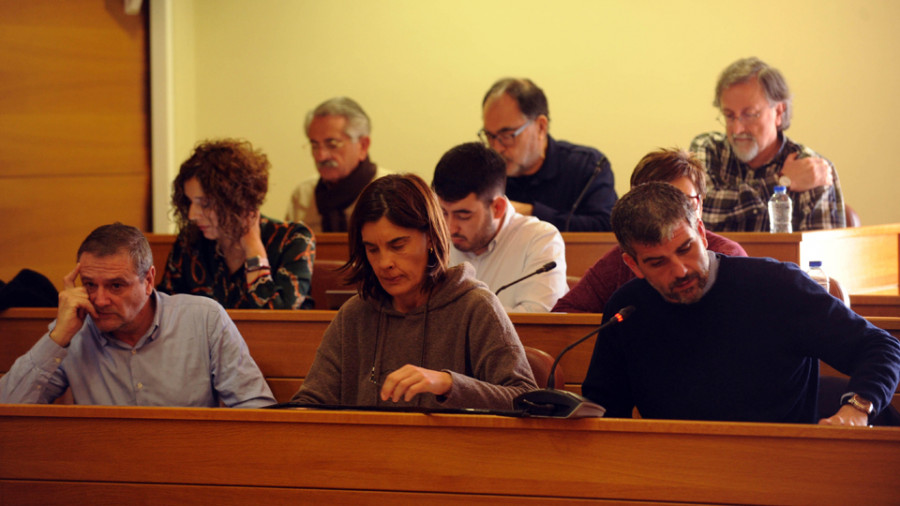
[(409, 381), (251, 241)]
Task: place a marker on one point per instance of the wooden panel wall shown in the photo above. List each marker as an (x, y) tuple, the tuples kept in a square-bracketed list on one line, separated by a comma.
[(74, 128)]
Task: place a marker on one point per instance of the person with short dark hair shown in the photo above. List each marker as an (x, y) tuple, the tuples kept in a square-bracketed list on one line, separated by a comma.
[(488, 233), (715, 337), (339, 134), (744, 164), (117, 341), (226, 249), (672, 166), (570, 186), (418, 333)]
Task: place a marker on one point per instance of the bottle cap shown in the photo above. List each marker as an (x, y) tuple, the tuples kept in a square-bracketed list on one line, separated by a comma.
[(780, 189), (815, 263)]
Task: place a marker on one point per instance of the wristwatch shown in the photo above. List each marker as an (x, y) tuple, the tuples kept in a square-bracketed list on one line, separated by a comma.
[(257, 263), (784, 180), (859, 403)]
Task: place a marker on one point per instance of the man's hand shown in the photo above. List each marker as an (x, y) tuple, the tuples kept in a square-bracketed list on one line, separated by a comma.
[(807, 173), (523, 208), (847, 415), (409, 381), (74, 305)]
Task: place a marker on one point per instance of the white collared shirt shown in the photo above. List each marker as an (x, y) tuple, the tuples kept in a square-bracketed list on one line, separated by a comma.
[(522, 246)]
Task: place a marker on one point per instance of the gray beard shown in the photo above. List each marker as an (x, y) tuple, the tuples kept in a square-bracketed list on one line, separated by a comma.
[(746, 155)]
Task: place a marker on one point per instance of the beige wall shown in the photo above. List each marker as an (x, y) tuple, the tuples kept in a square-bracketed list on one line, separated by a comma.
[(625, 77)]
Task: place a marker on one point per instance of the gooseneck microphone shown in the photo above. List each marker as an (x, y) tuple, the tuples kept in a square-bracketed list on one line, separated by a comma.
[(554, 403), (597, 170), (549, 266)]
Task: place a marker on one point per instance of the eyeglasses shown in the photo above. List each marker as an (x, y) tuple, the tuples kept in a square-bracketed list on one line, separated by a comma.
[(696, 200), (506, 137), (745, 118), (328, 145)]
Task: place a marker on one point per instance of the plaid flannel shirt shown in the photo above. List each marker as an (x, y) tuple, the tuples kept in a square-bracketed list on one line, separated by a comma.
[(737, 196)]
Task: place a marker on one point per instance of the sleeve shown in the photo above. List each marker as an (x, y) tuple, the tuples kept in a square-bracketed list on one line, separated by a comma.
[(822, 207), (291, 257), (322, 384), (606, 382), (537, 294), (597, 285), (499, 366), (235, 375), (729, 204), (37, 376), (844, 340), (595, 208)]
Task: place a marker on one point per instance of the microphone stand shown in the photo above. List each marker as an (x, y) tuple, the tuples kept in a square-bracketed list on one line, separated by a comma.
[(553, 403), (597, 170), (549, 266)]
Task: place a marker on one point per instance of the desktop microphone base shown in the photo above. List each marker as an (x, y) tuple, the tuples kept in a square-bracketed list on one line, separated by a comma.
[(552, 403)]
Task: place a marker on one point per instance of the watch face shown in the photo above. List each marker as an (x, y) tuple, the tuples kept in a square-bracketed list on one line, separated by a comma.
[(784, 181)]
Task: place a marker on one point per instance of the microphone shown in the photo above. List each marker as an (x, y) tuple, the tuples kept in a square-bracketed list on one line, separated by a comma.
[(552, 403), (597, 170), (549, 266)]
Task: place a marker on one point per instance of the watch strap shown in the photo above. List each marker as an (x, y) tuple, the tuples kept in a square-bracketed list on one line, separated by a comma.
[(256, 263)]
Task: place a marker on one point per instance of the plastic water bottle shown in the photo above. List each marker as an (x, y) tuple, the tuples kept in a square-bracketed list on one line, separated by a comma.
[(818, 274), (780, 211)]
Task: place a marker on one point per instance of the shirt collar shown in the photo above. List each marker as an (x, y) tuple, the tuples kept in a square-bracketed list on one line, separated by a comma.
[(713, 272)]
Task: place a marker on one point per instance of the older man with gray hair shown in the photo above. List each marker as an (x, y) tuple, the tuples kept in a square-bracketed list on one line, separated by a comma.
[(744, 164), (338, 132)]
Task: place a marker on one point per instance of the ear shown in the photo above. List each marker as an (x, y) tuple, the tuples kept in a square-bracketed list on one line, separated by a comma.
[(364, 147), (701, 230), (498, 207), (632, 264), (151, 276), (543, 123), (779, 111)]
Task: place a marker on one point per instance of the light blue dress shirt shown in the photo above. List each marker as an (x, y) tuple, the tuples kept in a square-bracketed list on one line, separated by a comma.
[(192, 356)]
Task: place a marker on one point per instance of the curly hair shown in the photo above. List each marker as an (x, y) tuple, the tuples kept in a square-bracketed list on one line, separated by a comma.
[(234, 177)]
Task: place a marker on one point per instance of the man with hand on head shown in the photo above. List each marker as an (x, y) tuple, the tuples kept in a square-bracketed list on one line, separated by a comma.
[(117, 341), (744, 165), (487, 232), (570, 186), (726, 338), (338, 132)]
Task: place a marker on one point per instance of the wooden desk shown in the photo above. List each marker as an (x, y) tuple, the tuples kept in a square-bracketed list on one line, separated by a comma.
[(863, 259), (65, 454), (876, 304)]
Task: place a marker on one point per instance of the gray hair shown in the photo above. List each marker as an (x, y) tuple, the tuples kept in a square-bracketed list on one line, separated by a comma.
[(357, 119), (649, 214), (110, 240), (773, 84)]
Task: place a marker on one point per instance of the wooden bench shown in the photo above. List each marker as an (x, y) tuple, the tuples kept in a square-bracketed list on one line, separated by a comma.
[(284, 343)]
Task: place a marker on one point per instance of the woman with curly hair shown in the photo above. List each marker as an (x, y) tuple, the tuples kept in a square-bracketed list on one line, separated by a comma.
[(226, 249)]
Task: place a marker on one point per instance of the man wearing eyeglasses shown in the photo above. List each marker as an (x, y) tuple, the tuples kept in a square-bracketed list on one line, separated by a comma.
[(568, 185), (338, 133), (744, 164)]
